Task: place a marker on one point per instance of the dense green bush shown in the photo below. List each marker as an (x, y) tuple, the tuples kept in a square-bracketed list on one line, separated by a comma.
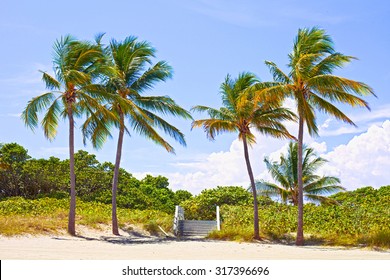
[(362, 215), (21, 175), (203, 206)]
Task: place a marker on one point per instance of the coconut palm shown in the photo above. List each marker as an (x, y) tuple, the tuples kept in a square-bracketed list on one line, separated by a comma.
[(311, 83), (72, 93), (285, 175), (134, 74), (243, 112)]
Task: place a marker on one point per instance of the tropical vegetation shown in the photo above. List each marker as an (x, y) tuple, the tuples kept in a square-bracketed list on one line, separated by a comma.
[(312, 84), (284, 173), (360, 218), (31, 178), (105, 84), (73, 92), (134, 74), (105, 87), (243, 112)]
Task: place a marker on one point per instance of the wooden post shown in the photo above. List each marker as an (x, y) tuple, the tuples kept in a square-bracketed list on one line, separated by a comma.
[(177, 211), (176, 221), (218, 219)]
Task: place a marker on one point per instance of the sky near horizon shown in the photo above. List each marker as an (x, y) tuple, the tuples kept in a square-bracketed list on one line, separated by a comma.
[(204, 41)]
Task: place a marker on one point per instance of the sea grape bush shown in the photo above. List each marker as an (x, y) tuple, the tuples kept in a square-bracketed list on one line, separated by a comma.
[(365, 211), (21, 175)]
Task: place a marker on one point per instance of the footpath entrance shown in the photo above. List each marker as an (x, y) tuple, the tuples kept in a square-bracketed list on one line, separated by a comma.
[(194, 228)]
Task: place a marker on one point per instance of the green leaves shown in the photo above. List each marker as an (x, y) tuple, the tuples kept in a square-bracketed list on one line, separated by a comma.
[(246, 106), (285, 173), (311, 81)]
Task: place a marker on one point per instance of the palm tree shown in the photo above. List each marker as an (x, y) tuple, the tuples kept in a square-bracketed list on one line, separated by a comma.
[(313, 86), (286, 176), (72, 93), (134, 74), (243, 111)]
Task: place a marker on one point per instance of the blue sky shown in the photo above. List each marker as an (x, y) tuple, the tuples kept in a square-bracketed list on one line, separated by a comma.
[(204, 41)]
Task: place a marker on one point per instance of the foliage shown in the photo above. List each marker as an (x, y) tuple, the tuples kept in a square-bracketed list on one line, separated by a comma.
[(203, 205), (362, 217), (312, 84), (34, 178), (73, 92), (243, 112), (48, 215), (134, 74), (286, 175)]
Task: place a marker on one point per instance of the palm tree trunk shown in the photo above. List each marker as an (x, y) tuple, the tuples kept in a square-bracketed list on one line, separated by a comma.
[(115, 180), (72, 208), (253, 186), (300, 240)]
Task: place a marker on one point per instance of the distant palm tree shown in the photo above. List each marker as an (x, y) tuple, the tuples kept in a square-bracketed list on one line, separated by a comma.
[(243, 111), (311, 83), (285, 173), (134, 74), (72, 93)]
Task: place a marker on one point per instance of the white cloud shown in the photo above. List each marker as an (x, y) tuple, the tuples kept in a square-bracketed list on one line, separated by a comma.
[(224, 168), (364, 119), (363, 161)]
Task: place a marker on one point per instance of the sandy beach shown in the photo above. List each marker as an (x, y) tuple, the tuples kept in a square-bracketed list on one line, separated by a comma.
[(101, 245)]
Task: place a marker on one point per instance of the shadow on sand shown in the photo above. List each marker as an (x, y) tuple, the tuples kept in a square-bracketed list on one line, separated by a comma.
[(130, 237)]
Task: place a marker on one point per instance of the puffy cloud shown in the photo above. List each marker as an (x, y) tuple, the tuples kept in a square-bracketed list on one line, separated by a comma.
[(364, 161), (224, 168)]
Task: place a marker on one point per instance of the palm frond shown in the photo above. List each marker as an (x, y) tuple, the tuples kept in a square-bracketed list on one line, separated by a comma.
[(35, 105), (144, 128), (97, 129), (213, 127), (277, 73), (160, 72), (50, 120), (167, 128), (50, 82), (277, 173), (164, 105), (328, 108), (330, 63), (285, 174)]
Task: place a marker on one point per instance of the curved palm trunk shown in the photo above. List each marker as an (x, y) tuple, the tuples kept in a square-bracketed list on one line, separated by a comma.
[(115, 180), (299, 241), (72, 208), (255, 203)]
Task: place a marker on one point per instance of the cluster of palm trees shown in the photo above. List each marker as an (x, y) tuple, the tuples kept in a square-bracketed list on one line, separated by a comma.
[(253, 105), (106, 85)]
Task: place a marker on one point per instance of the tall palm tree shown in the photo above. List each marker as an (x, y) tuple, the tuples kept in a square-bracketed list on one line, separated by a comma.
[(311, 83), (243, 111), (72, 93), (285, 173), (134, 74)]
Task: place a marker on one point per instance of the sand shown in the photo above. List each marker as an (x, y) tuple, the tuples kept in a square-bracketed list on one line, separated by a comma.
[(136, 245)]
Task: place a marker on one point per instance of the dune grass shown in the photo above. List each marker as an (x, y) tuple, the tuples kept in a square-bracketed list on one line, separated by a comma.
[(49, 215), (330, 226), (20, 216)]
